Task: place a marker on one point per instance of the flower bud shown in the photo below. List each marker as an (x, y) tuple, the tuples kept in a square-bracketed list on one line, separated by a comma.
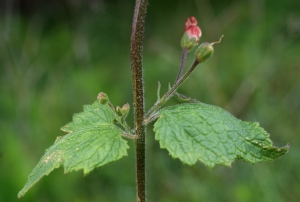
[(191, 34), (125, 109), (102, 98), (119, 111), (205, 51), (123, 112)]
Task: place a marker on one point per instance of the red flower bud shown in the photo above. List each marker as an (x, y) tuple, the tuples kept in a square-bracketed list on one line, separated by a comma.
[(192, 34), (191, 27)]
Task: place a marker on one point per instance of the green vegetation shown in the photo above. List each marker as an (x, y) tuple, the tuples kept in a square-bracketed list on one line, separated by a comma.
[(52, 65)]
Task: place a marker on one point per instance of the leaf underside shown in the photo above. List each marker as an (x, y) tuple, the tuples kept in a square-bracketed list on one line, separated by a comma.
[(207, 133), (92, 141)]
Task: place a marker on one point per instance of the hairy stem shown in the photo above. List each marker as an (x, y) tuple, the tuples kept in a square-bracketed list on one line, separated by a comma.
[(138, 94)]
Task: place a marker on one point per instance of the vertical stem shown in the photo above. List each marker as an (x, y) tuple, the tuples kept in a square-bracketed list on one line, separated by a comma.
[(138, 93)]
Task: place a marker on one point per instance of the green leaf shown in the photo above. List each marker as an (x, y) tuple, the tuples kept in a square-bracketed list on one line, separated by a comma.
[(210, 134), (93, 141)]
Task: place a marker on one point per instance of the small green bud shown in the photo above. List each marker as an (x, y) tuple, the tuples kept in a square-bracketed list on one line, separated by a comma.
[(125, 109), (123, 112), (119, 111), (102, 98), (205, 51)]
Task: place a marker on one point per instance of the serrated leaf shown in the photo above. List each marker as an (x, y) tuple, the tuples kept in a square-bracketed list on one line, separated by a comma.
[(93, 141), (210, 134)]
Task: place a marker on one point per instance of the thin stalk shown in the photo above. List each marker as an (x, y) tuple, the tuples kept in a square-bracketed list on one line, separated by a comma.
[(183, 98), (170, 93), (184, 53), (128, 136), (136, 50)]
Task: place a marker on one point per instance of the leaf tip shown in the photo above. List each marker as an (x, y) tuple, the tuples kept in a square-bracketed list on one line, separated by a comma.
[(20, 195), (288, 146)]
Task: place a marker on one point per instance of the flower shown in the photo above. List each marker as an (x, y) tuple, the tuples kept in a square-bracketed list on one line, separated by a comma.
[(191, 34)]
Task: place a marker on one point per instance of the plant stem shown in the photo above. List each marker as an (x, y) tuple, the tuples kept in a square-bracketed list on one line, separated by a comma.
[(169, 94), (184, 53), (136, 49)]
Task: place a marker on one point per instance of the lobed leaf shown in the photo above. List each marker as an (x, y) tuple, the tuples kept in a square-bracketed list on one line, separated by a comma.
[(198, 131), (93, 141)]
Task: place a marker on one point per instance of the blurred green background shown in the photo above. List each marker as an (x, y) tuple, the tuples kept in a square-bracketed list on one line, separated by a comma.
[(56, 56)]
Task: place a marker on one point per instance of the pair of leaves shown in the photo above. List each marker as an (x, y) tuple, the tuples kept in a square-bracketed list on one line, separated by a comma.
[(189, 132)]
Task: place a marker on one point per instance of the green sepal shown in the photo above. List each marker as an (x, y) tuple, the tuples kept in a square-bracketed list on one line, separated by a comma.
[(187, 42)]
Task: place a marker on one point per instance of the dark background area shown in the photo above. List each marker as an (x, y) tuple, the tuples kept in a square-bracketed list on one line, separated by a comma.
[(56, 56)]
